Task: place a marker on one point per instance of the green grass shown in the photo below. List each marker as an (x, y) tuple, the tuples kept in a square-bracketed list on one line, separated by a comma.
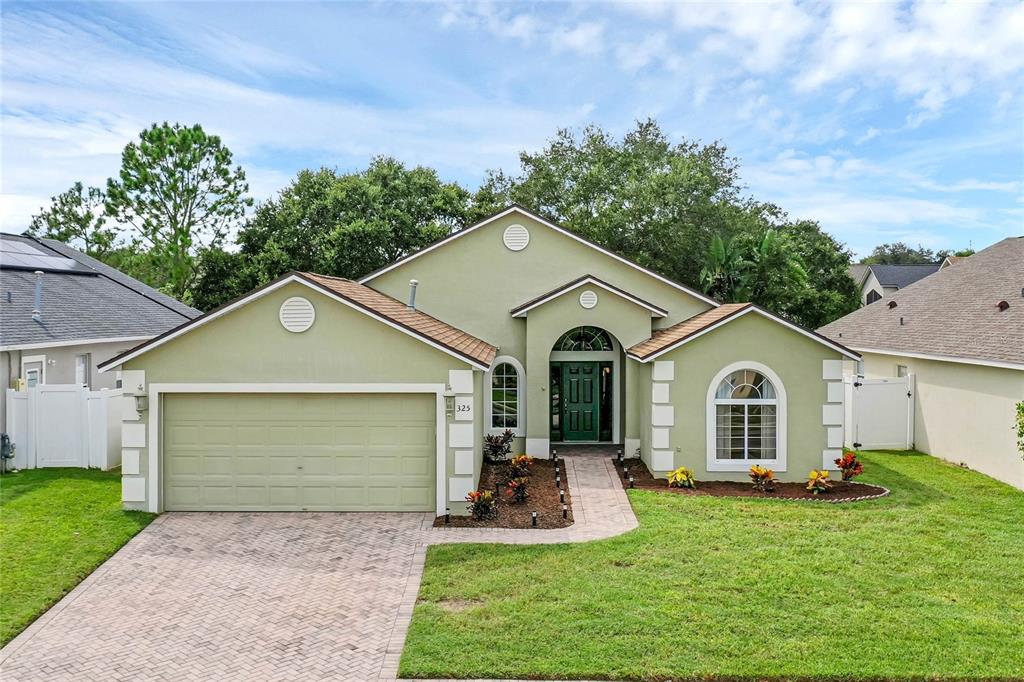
[(56, 527), (926, 583)]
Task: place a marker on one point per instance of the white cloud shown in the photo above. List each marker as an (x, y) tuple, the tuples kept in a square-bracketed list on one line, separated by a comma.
[(932, 52), (869, 134)]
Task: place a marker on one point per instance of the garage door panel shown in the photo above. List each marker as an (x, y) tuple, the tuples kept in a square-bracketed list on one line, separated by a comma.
[(293, 452)]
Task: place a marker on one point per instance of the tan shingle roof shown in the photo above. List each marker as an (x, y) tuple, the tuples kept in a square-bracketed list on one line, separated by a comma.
[(415, 321), (951, 313), (663, 338)]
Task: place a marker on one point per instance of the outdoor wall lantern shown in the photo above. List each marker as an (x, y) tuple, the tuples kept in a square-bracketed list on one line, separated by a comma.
[(141, 403), (449, 400)]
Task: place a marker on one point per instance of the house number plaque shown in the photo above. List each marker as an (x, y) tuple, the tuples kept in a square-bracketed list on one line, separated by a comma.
[(464, 408)]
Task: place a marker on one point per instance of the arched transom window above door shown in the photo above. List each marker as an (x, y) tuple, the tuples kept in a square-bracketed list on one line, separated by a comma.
[(584, 339)]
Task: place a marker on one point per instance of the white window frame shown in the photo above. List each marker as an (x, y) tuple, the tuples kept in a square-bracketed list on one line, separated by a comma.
[(30, 359), (86, 365), (520, 430), (711, 434)]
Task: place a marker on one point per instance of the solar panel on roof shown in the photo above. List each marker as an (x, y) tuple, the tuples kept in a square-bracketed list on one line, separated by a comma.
[(18, 255)]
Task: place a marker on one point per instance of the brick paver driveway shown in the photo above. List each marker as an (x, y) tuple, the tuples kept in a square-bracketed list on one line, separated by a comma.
[(285, 596)]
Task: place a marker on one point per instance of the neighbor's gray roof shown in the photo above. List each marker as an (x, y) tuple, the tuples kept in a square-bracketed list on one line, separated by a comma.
[(104, 303), (953, 312), (900, 276)]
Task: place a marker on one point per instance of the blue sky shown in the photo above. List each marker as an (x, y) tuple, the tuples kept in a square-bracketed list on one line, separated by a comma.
[(883, 121)]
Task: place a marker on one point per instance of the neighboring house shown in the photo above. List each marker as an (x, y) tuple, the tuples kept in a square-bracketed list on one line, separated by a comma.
[(961, 333), (320, 393), (875, 282), (950, 261), (58, 325)]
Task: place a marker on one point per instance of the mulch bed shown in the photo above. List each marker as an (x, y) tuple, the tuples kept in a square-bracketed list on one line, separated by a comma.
[(842, 491), (543, 499)]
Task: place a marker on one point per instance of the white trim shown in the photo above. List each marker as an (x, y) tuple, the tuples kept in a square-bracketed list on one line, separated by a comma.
[(520, 430), (942, 358), (762, 313), (781, 423), (593, 281), (154, 501), (83, 342), (41, 359), (200, 321), (539, 447), (556, 228)]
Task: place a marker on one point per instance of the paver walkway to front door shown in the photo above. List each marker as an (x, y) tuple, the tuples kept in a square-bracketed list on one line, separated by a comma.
[(285, 596)]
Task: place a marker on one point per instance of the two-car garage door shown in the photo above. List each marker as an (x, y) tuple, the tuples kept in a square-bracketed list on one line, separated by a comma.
[(296, 452)]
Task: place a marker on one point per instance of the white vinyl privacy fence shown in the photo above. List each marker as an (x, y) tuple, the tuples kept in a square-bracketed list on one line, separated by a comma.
[(880, 413), (56, 425)]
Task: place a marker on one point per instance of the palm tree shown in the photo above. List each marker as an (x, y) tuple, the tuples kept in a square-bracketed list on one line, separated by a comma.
[(724, 275)]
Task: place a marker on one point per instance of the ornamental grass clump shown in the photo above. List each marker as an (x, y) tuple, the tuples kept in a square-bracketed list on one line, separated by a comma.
[(818, 482), (516, 489), (481, 505), (519, 467), (763, 479), (849, 465), (682, 478)]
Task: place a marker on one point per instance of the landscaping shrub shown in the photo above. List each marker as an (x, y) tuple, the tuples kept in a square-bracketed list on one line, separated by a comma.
[(516, 489), (818, 482), (497, 447), (1020, 427), (519, 467), (850, 465), (682, 478), (481, 504), (763, 478)]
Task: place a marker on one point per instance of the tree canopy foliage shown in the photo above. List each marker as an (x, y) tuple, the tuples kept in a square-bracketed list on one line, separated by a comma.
[(676, 207), (178, 193), (76, 217), (341, 224), (901, 253)]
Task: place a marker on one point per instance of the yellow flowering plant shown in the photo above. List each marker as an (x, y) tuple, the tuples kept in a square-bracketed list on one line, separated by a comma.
[(818, 482), (763, 478), (682, 478)]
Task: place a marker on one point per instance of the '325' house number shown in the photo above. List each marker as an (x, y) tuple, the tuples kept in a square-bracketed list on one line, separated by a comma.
[(464, 408)]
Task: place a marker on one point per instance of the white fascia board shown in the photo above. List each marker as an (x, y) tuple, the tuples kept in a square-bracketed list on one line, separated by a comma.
[(1001, 364), (76, 342), (768, 316), (655, 311), (200, 321), (556, 228)]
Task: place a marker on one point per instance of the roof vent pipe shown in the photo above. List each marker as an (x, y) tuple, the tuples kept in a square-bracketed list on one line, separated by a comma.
[(37, 305), (412, 294)]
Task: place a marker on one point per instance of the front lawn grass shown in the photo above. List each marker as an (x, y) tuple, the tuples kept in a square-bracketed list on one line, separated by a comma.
[(56, 527), (925, 583)]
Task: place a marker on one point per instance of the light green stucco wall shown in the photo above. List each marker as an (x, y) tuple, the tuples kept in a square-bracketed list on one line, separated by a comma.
[(249, 345), (474, 281), (795, 358)]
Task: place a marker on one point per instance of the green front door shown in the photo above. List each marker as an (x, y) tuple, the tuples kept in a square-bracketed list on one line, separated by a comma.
[(581, 400)]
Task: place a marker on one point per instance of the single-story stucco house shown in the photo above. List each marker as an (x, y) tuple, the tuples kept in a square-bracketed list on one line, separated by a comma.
[(320, 393), (960, 332), (62, 313)]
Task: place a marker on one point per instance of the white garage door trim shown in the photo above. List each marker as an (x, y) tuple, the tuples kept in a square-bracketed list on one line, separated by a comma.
[(155, 390)]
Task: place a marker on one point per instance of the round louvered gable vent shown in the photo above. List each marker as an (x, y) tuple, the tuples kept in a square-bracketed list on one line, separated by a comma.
[(588, 299), (297, 314), (516, 237)]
